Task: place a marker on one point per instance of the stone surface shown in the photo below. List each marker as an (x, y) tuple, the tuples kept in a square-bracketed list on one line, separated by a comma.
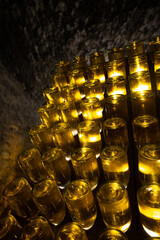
[(35, 35), (18, 113)]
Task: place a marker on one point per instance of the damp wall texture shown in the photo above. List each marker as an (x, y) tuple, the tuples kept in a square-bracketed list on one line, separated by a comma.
[(35, 35)]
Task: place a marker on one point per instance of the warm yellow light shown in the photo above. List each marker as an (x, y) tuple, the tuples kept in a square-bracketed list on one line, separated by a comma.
[(118, 92), (156, 67), (91, 109), (85, 114), (152, 213), (89, 139), (139, 69), (99, 96), (147, 170), (151, 233), (80, 135), (89, 114), (115, 97), (102, 78), (74, 132), (77, 96), (125, 227), (74, 113), (124, 168), (115, 74), (158, 86), (80, 81), (120, 168), (144, 169), (94, 139), (141, 88), (99, 113)]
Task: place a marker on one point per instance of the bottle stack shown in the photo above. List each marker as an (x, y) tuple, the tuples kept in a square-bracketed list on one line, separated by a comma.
[(81, 173)]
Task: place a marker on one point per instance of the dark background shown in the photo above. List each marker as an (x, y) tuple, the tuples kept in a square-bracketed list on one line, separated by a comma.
[(36, 34)]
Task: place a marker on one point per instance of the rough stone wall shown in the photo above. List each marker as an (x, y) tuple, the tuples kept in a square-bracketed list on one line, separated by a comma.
[(18, 113), (35, 35)]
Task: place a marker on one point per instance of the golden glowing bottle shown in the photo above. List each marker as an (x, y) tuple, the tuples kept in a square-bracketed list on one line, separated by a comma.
[(116, 85), (115, 132), (39, 229), (31, 163), (60, 80), (85, 165), (112, 234), (79, 78), (93, 88), (145, 130), (138, 63), (140, 81), (57, 167), (70, 114), (71, 231), (53, 96), (49, 200), (143, 103), (49, 115), (114, 205), (135, 48), (79, 62), (97, 58), (116, 106), (18, 194), (148, 197), (116, 68), (149, 163), (80, 203), (41, 137), (115, 164), (63, 136), (116, 53), (72, 92), (92, 109), (98, 72), (89, 135)]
